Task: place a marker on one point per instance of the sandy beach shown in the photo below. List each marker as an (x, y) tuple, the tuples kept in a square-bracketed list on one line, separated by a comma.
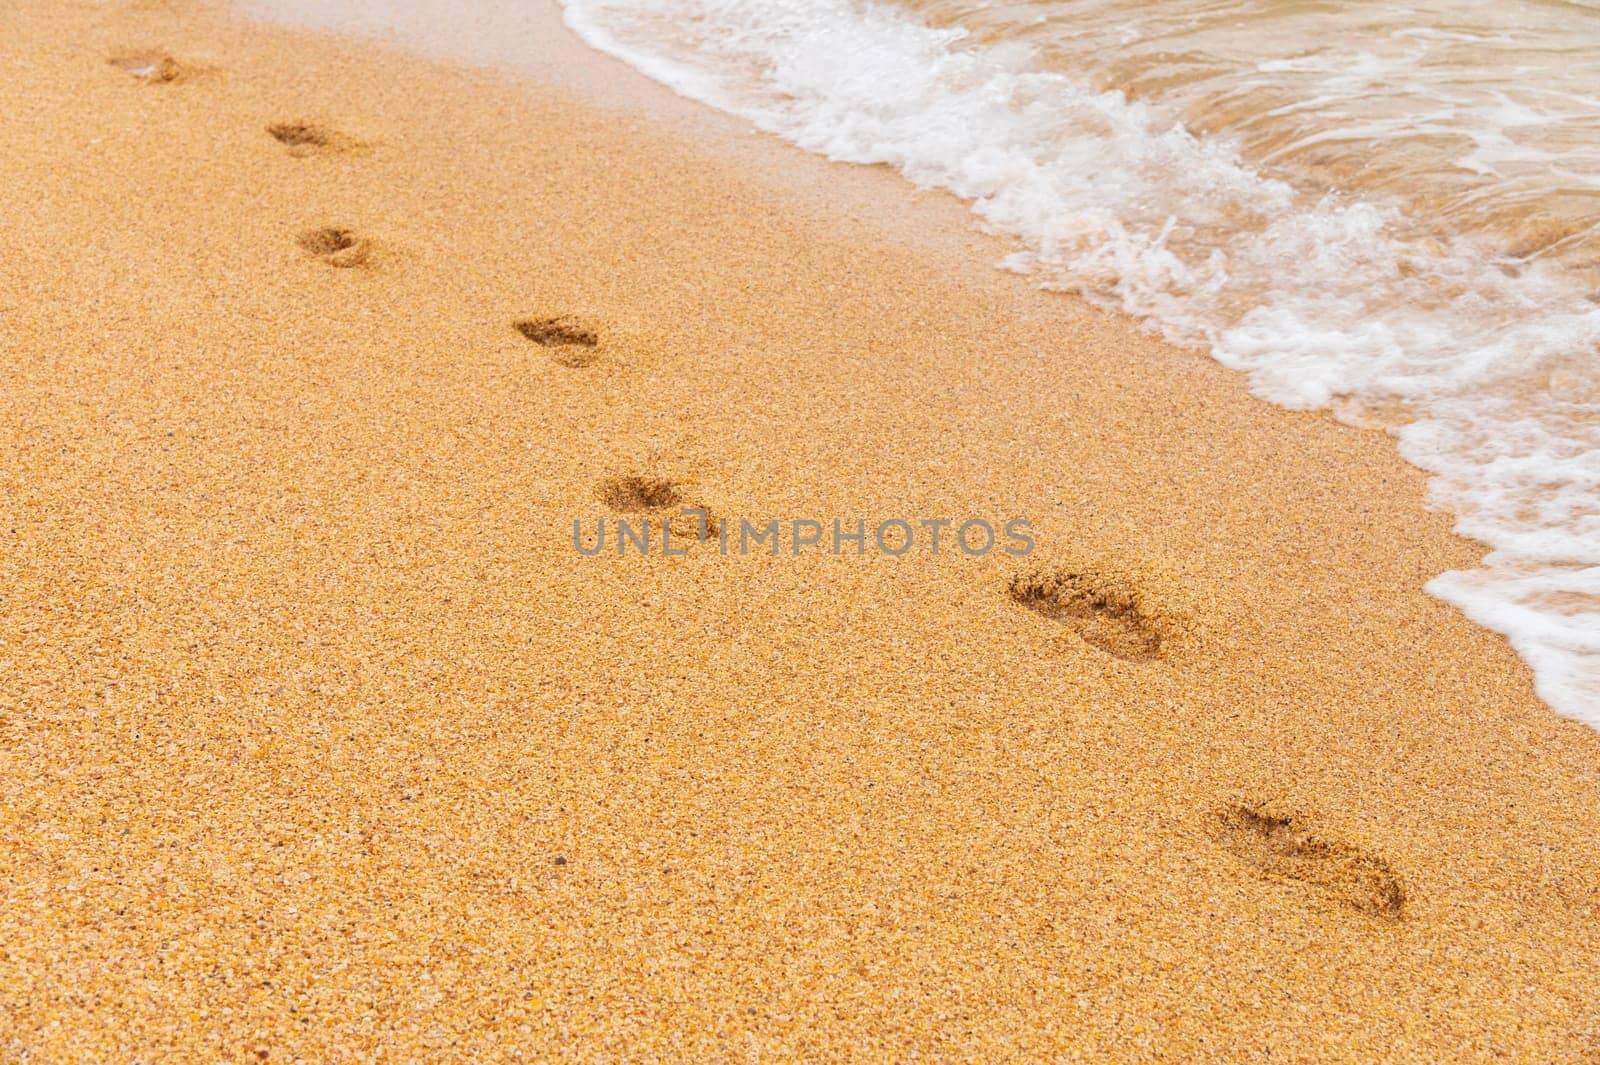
[(321, 742)]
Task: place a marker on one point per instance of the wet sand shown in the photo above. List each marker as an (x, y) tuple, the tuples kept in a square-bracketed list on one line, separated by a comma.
[(319, 740)]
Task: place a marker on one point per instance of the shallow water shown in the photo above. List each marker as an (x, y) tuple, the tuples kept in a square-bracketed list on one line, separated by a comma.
[(1387, 209), (1474, 116)]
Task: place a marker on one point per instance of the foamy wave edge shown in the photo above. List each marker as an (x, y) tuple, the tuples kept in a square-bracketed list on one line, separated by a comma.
[(1326, 303)]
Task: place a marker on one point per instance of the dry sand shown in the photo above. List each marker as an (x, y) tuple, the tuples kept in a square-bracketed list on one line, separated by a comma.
[(319, 742)]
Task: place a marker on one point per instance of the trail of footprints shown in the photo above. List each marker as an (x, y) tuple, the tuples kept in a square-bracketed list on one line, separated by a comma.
[(1107, 612), (1116, 617)]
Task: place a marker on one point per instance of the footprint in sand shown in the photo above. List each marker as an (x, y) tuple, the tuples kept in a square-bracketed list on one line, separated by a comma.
[(1284, 847), (335, 246), (571, 341), (150, 65), (652, 496), (636, 494), (309, 138), (1107, 613)]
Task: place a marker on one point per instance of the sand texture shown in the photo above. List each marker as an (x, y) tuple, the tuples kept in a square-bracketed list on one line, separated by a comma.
[(320, 742)]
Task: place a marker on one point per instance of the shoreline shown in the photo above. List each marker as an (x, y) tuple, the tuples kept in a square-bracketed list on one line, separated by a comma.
[(532, 44), (322, 741)]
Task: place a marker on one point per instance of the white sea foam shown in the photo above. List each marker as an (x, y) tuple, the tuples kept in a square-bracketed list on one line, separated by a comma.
[(1484, 365)]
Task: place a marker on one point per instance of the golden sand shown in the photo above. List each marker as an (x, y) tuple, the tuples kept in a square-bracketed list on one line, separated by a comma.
[(320, 742)]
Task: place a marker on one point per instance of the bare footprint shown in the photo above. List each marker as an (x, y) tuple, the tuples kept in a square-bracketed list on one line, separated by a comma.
[(335, 246), (1107, 613), (1285, 847), (653, 495), (150, 65), (572, 342), (636, 494), (309, 138)]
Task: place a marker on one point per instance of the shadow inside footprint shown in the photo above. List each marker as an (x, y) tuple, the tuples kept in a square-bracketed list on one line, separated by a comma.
[(335, 246), (571, 342), (1106, 613), (636, 494), (1283, 847), (149, 65), (688, 519), (306, 138), (300, 134)]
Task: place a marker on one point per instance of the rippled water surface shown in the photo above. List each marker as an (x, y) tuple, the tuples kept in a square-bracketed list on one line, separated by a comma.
[(1476, 116)]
